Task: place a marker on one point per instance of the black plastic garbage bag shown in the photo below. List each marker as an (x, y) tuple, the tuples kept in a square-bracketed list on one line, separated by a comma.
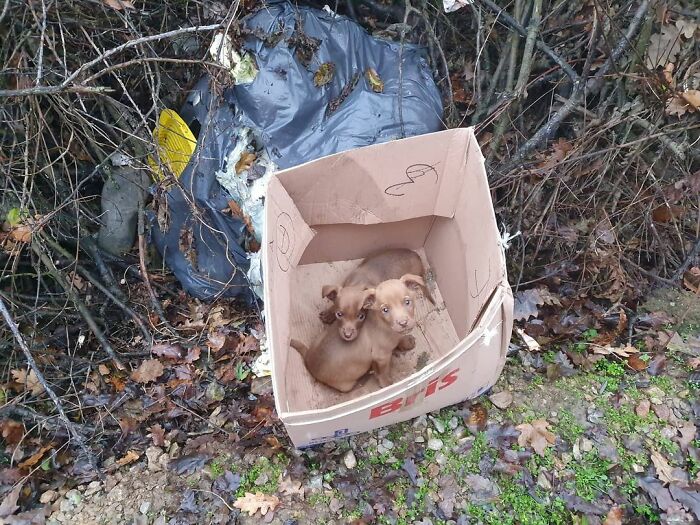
[(296, 120)]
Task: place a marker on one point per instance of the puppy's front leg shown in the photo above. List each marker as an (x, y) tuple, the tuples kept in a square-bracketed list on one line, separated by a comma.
[(383, 372), (407, 342)]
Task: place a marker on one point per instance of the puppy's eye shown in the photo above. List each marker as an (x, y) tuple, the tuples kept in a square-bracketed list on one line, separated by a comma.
[(385, 309), (407, 301), (361, 316), (339, 314)]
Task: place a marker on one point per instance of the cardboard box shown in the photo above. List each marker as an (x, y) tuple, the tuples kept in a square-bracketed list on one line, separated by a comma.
[(428, 193)]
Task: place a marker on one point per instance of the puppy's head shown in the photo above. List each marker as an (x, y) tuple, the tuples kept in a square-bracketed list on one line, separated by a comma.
[(350, 304), (395, 301)]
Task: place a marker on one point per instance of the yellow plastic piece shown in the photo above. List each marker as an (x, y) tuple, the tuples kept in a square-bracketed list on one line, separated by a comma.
[(175, 143)]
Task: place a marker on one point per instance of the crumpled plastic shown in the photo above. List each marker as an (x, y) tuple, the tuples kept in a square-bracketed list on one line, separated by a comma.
[(208, 227)]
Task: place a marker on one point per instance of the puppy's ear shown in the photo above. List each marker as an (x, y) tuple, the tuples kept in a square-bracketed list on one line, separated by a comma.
[(369, 297), (330, 291), (414, 282)]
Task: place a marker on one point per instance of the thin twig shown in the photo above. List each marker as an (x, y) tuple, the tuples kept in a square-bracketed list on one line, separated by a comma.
[(580, 87), (688, 261), (79, 304), (526, 64), (515, 25), (127, 45), (70, 427)]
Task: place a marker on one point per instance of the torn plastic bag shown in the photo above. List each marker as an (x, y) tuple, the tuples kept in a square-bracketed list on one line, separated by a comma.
[(295, 121)]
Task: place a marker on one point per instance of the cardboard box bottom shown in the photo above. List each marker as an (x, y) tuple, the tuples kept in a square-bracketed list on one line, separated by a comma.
[(465, 372)]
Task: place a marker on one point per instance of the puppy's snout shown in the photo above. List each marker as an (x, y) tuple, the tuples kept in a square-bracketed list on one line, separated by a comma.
[(348, 333), (404, 322)]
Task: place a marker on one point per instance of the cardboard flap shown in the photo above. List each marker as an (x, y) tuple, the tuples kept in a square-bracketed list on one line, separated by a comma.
[(390, 182), (289, 235)]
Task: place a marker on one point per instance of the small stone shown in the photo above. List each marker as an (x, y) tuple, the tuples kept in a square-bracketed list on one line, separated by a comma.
[(655, 391), (74, 496), (440, 458), (502, 400), (59, 517), (642, 409), (381, 450), (93, 488), (661, 411), (350, 460), (145, 507), (335, 505), (454, 423), (387, 444), (439, 426), (48, 496), (420, 422), (419, 439), (66, 506), (586, 445), (316, 483), (261, 479), (434, 444), (543, 482), (637, 468), (153, 455)]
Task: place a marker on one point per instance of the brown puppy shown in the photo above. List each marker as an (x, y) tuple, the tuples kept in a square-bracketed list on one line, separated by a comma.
[(334, 361), (391, 319), (388, 264), (339, 363)]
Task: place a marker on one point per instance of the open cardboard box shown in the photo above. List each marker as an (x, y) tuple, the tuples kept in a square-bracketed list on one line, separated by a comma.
[(428, 193)]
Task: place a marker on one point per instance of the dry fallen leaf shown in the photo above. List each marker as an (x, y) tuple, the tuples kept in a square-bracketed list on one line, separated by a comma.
[(119, 5), (637, 363), (324, 74), (688, 432), (150, 370), (252, 503), (289, 487), (129, 457), (614, 517), (502, 400), (663, 47), (687, 27), (691, 280), (245, 162), (536, 435), (374, 80), (30, 381), (684, 102), (532, 344), (35, 458), (664, 471), (620, 351), (478, 416)]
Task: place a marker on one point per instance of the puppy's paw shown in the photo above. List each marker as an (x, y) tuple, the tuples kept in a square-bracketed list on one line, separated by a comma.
[(327, 316), (407, 342)]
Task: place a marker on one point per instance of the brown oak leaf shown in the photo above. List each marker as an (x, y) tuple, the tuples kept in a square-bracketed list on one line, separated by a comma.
[(664, 471), (150, 370), (536, 435), (252, 503)]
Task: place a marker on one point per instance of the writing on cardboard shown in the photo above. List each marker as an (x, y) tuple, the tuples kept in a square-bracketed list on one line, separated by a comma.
[(415, 172), (401, 403)]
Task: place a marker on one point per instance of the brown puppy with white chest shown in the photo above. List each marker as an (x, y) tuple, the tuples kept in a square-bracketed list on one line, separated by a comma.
[(390, 321), (387, 264), (340, 364)]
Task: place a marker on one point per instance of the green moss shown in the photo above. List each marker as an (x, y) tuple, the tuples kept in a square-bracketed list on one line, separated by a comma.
[(272, 468), (568, 428), (517, 506), (319, 498), (591, 476), (663, 382)]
